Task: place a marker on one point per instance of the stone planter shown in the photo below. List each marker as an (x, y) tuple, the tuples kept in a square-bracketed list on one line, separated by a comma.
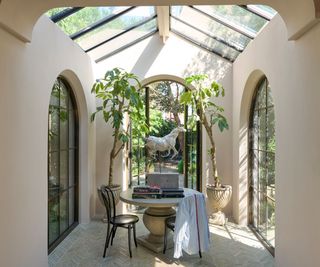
[(116, 190), (218, 198)]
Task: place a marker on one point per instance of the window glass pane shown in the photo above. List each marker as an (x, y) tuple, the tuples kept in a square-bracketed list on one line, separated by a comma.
[(262, 171), (269, 97), (255, 208), (271, 145), (255, 169), (64, 129), (203, 39), (53, 171), (72, 126), (71, 206), (262, 94), (71, 167), (53, 134), (210, 26), (53, 219), (124, 39), (236, 15), (55, 11), (115, 26), (269, 12), (271, 173), (262, 129), (255, 131), (271, 222), (63, 169), (85, 17), (64, 210), (64, 95), (262, 225), (55, 94)]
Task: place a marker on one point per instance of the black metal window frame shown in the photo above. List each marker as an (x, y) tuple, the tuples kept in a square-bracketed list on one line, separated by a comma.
[(74, 148), (251, 150)]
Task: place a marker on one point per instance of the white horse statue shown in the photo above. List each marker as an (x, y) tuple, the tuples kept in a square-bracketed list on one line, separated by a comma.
[(165, 143)]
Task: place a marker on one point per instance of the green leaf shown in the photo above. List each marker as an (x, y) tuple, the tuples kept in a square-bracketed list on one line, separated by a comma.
[(186, 97)]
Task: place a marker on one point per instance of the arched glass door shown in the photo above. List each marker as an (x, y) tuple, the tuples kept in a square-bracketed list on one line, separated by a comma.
[(62, 163), (262, 164), (163, 114)]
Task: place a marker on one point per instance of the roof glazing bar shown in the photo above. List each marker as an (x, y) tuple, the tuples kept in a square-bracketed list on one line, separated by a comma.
[(100, 23), (65, 13), (220, 40), (227, 24), (121, 33), (256, 11), (126, 46), (201, 45)]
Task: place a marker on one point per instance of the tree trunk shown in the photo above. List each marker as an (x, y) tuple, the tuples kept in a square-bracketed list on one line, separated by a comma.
[(212, 150)]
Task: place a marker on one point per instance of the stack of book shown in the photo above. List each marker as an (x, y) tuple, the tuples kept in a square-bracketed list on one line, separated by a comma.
[(172, 192), (146, 192)]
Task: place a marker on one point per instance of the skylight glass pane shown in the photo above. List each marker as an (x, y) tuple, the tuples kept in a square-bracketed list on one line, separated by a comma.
[(237, 16), (210, 26), (124, 39), (115, 26), (269, 12), (55, 11), (85, 17), (203, 39)]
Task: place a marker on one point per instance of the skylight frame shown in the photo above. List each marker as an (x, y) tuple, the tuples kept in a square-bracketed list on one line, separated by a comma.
[(220, 43)]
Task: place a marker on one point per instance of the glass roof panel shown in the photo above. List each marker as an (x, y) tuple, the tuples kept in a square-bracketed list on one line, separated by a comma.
[(267, 11), (210, 26), (237, 16), (57, 10), (85, 17), (115, 26), (204, 40), (124, 40)]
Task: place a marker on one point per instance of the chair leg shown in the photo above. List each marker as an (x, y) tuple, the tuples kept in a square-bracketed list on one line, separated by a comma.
[(134, 235), (107, 241), (129, 240), (165, 240), (113, 234), (200, 254)]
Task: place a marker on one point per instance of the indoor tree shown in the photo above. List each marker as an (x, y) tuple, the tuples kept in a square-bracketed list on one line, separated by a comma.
[(200, 97), (119, 96)]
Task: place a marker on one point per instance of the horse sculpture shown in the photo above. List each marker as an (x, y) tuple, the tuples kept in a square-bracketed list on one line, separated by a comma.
[(165, 143)]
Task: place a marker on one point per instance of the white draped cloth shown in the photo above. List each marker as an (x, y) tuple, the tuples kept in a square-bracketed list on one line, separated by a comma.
[(191, 226)]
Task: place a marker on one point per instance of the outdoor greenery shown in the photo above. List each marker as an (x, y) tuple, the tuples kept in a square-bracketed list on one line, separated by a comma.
[(200, 96), (119, 97)]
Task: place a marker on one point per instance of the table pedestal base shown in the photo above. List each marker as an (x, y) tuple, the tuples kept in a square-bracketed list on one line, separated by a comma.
[(154, 220), (155, 243)]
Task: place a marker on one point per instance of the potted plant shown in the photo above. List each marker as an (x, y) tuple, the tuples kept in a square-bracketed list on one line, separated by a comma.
[(118, 93), (199, 96)]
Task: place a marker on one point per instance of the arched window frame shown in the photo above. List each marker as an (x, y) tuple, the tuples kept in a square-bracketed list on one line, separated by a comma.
[(259, 189), (62, 83)]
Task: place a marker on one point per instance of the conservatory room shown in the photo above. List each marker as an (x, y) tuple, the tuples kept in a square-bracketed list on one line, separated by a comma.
[(139, 133)]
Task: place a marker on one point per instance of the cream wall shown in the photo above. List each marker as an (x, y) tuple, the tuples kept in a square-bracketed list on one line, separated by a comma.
[(292, 68), (27, 74), (174, 58)]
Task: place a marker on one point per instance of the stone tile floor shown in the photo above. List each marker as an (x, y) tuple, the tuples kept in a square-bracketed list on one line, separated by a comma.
[(231, 245)]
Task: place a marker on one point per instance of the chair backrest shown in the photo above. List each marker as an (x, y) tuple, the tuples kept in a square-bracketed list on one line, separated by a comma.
[(109, 202)]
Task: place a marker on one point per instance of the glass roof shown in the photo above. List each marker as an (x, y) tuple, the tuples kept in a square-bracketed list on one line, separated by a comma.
[(104, 31)]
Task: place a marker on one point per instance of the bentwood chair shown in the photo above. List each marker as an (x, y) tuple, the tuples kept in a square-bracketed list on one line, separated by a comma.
[(127, 221)]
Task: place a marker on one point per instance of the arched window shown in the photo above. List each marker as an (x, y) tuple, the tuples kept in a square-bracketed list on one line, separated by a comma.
[(262, 164), (62, 163)]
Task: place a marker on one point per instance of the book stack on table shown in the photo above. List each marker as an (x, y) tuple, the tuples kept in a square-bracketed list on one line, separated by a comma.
[(172, 192), (146, 192)]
